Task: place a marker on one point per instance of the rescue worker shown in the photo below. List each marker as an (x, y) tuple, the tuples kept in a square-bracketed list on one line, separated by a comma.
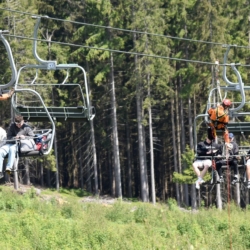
[(219, 119)]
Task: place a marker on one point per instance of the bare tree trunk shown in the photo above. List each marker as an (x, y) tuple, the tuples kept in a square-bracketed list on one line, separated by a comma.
[(89, 176), (100, 176), (74, 159), (80, 158), (178, 137), (144, 193), (92, 132), (27, 172), (57, 165), (145, 155), (191, 116), (111, 174), (190, 124), (117, 168), (175, 150), (183, 142), (151, 144), (96, 191), (129, 160), (41, 174), (48, 180)]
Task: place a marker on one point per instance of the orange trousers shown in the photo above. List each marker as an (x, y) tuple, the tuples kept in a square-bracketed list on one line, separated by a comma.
[(213, 133)]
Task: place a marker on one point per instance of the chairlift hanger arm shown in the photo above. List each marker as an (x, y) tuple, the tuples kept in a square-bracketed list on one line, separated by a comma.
[(50, 64), (241, 89), (239, 86), (224, 76), (11, 60), (45, 64)]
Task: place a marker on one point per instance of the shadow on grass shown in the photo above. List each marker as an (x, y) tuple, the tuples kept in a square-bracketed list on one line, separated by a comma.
[(77, 192)]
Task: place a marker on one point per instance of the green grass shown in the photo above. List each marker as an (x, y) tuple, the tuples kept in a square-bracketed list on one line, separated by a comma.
[(42, 222)]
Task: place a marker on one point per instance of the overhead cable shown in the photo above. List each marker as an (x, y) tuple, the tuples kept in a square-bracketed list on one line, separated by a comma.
[(116, 51), (120, 29)]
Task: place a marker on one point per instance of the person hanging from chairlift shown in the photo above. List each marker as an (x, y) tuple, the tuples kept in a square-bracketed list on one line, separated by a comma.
[(6, 96), (204, 158), (219, 119)]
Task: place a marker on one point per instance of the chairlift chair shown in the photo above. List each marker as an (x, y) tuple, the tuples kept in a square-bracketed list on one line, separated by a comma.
[(61, 113), (236, 123)]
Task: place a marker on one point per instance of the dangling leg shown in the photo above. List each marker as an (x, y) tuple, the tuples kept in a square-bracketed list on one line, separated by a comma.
[(11, 158), (219, 170), (234, 165), (211, 133)]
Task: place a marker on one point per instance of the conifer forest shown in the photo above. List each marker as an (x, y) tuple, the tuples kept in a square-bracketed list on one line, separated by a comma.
[(150, 66)]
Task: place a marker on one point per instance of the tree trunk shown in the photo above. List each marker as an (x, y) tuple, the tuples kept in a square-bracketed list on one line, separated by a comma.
[(117, 169), (96, 191), (48, 180), (92, 133), (191, 136), (144, 193), (174, 150), (129, 163), (80, 159), (151, 144), (178, 137), (57, 165), (27, 172), (41, 173)]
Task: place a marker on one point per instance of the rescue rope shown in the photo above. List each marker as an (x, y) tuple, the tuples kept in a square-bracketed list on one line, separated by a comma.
[(228, 198)]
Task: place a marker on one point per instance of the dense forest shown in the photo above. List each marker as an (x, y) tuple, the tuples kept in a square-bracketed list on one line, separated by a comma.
[(150, 66)]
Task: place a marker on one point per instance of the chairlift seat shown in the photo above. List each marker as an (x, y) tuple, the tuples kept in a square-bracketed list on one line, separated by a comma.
[(37, 152), (57, 113)]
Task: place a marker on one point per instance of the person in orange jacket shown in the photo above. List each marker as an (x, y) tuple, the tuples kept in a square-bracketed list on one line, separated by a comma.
[(6, 96), (219, 119)]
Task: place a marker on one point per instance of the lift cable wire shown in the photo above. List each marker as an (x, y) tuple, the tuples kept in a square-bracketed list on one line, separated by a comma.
[(122, 51), (120, 29)]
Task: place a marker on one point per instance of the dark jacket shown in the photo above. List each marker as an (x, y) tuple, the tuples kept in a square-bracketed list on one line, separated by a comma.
[(234, 151), (13, 131), (204, 147)]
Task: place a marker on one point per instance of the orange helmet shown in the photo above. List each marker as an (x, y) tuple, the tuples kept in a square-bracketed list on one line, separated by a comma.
[(226, 102)]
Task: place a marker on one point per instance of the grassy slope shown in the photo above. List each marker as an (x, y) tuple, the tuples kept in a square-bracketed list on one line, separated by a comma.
[(64, 220)]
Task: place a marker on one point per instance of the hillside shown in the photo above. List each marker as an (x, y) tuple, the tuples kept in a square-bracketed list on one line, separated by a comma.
[(36, 218)]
